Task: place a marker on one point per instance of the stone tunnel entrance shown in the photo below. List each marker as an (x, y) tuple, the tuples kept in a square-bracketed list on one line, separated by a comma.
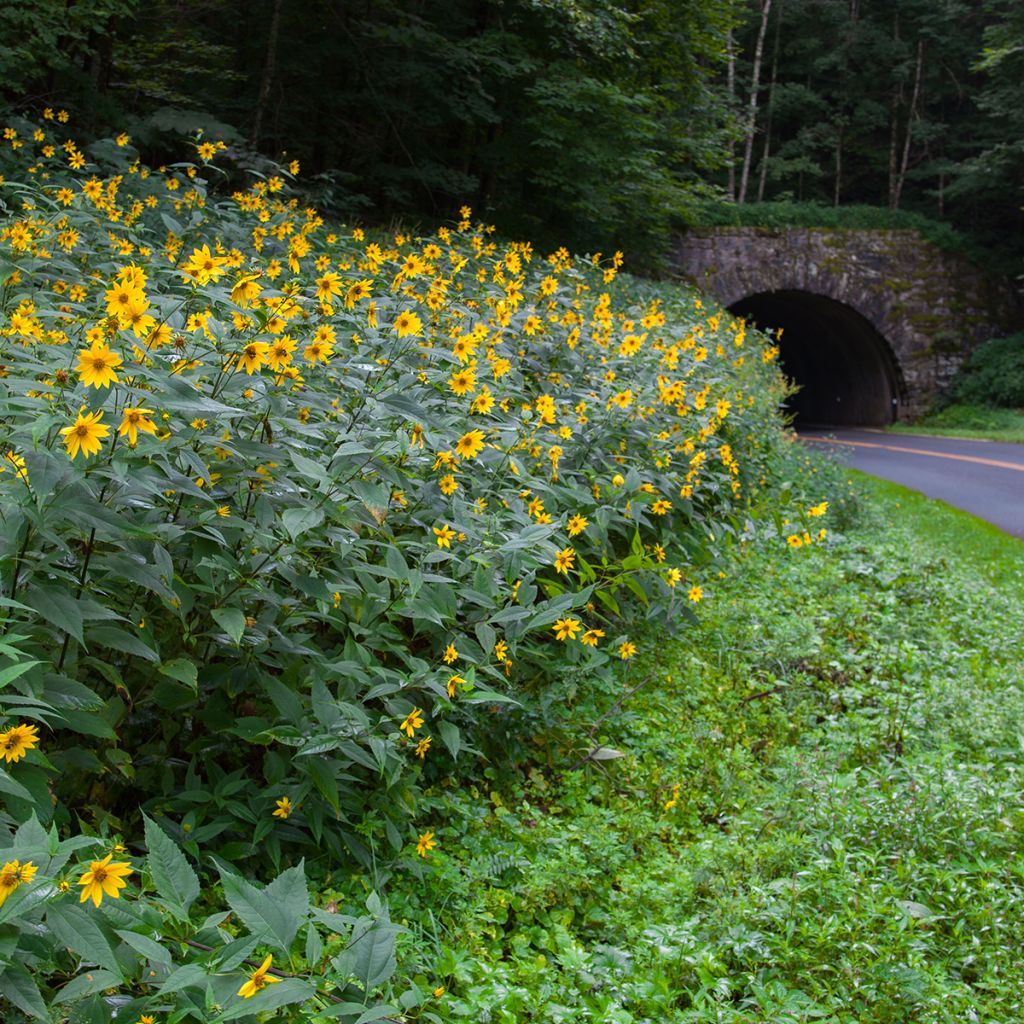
[(845, 370)]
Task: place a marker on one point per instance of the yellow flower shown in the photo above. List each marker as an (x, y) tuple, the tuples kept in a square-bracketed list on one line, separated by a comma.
[(566, 629), (422, 747), (673, 576), (96, 365), (10, 879), (203, 267), (577, 525), (450, 655), (134, 420), (591, 637), (279, 354), (470, 445), (425, 844), (408, 323), (626, 650), (17, 741), (253, 356), (463, 382), (661, 506), (259, 979), (284, 808), (15, 460), (695, 593), (104, 878), (564, 560), (357, 291), (454, 681), (413, 721), (448, 484), (444, 536), (84, 434), (794, 540), (818, 510)]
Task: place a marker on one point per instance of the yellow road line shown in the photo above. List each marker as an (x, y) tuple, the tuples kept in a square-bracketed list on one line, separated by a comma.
[(920, 451)]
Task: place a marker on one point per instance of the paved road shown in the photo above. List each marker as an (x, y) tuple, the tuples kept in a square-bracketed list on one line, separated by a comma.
[(985, 478)]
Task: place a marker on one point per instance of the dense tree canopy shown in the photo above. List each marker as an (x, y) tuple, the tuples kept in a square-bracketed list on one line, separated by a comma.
[(596, 122)]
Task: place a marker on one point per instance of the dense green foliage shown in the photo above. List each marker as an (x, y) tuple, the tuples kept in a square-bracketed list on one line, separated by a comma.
[(807, 810), (569, 123), (285, 510), (913, 105), (592, 123), (993, 375)]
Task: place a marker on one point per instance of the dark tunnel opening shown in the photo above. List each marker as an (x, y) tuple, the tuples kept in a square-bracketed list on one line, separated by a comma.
[(845, 370)]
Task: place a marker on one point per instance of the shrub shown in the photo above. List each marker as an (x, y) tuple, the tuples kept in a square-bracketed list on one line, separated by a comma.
[(993, 375), (282, 511)]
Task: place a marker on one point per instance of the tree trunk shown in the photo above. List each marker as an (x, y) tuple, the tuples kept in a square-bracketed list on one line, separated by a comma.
[(268, 73), (730, 77), (771, 105), (894, 110), (839, 165), (911, 117), (755, 81)]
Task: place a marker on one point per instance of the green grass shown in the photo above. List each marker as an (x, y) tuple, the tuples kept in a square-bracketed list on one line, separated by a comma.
[(970, 421), (844, 729)]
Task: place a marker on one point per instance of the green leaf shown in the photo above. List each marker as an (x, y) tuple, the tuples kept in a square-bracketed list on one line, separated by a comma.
[(86, 984), (275, 915), (298, 520), (77, 929), (231, 620), (370, 956), (18, 988), (175, 881), (12, 672), (56, 606), (184, 977), (183, 670), (450, 737), (12, 787), (118, 639), (147, 947)]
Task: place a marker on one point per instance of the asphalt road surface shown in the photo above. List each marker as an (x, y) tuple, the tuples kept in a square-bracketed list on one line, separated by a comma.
[(985, 478)]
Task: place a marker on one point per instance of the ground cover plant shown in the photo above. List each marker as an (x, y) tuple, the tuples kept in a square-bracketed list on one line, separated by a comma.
[(808, 809), (290, 516)]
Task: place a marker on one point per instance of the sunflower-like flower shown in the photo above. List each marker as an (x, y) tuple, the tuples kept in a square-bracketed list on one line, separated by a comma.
[(85, 434), (104, 878)]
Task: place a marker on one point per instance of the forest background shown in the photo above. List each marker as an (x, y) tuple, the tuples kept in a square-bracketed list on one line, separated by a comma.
[(590, 123)]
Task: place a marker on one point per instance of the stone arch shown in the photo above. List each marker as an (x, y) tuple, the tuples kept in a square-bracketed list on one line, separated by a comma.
[(928, 308), (846, 371)]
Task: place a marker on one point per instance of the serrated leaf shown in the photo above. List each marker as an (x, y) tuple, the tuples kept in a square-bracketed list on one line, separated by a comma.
[(19, 989), (175, 881), (76, 929), (263, 915)]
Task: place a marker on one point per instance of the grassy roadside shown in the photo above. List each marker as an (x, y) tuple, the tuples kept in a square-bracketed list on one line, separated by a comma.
[(969, 421), (814, 817)]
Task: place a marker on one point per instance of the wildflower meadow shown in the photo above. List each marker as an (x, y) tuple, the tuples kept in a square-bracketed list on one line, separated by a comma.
[(293, 514)]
